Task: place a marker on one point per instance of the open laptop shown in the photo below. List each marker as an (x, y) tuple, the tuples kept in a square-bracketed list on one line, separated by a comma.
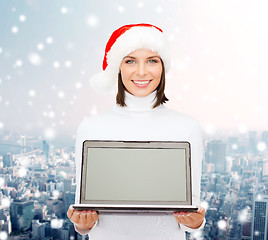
[(136, 176)]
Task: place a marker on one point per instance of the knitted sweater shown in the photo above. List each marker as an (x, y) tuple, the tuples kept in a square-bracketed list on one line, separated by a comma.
[(140, 122)]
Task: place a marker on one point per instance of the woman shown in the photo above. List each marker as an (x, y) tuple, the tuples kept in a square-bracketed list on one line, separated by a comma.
[(136, 59)]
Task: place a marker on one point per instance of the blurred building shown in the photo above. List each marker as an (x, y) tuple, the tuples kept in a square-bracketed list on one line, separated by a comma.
[(216, 154), (259, 229), (22, 214)]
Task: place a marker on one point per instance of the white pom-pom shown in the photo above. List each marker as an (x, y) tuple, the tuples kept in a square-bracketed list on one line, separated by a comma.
[(103, 82)]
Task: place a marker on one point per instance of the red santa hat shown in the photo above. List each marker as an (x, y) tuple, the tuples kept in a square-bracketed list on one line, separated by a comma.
[(122, 42)]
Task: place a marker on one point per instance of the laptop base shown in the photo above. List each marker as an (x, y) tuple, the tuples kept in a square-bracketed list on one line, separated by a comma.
[(139, 209)]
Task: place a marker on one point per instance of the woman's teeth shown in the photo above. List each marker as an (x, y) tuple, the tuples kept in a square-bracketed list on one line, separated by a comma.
[(141, 82)]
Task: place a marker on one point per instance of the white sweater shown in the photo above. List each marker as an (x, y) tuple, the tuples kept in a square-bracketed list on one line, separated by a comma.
[(140, 122)]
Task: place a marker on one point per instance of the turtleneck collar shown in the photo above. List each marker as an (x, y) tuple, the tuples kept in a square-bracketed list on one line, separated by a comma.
[(140, 104)]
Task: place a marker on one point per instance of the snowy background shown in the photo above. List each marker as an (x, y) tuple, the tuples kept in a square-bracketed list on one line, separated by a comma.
[(50, 49)]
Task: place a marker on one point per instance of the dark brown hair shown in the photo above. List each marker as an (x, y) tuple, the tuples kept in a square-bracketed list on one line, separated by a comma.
[(160, 95)]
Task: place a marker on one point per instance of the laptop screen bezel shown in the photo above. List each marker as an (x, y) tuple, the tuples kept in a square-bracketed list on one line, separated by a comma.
[(138, 145)]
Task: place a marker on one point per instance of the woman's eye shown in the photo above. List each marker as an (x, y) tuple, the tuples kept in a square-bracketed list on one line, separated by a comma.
[(129, 61), (153, 61)]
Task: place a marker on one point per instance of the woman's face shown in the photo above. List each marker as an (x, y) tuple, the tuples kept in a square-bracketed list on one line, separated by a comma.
[(141, 72)]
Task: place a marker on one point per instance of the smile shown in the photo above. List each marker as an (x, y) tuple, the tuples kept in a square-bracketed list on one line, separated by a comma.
[(141, 83)]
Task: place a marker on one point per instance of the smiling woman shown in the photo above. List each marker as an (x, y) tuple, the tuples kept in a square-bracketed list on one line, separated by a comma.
[(136, 60)]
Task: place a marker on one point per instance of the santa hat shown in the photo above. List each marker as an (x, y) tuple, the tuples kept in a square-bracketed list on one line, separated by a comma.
[(123, 41)]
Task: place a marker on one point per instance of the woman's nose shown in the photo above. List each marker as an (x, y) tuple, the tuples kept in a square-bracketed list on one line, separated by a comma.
[(141, 69)]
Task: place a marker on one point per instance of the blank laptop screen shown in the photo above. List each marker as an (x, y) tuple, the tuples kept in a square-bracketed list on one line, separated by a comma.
[(127, 174)]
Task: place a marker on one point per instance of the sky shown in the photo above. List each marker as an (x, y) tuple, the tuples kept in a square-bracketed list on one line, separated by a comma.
[(50, 49)]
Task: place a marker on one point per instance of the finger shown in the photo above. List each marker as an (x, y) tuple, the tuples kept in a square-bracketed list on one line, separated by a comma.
[(201, 211), (70, 212), (75, 217), (95, 216), (83, 218)]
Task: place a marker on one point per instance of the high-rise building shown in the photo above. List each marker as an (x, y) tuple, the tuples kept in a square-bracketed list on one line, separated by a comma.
[(22, 214), (259, 230), (45, 148), (216, 154), (252, 142), (8, 160)]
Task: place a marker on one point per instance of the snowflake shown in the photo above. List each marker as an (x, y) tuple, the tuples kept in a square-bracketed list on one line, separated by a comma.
[(222, 224), (1, 125), (14, 29), (22, 18), (78, 85), (22, 172), (92, 21), (210, 129), (3, 235), (5, 202), (49, 40), (49, 133), (40, 46), (205, 205), (242, 128), (56, 193), (68, 64), (1, 50), (51, 114), (37, 194), (32, 93), (61, 94), (18, 63), (261, 146), (120, 9), (158, 9), (56, 223), (56, 64), (140, 4), (234, 146), (34, 59), (64, 10)]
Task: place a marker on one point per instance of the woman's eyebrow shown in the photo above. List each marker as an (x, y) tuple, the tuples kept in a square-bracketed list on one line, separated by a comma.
[(135, 58)]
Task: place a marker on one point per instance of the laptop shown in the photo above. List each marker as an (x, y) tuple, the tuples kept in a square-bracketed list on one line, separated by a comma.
[(136, 176)]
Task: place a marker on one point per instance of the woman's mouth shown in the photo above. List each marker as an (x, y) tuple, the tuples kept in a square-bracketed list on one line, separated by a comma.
[(141, 84)]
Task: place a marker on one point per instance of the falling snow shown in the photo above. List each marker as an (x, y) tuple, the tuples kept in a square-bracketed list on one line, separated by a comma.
[(56, 64), (14, 29), (3, 235), (56, 223), (34, 59), (64, 10), (22, 18), (61, 94), (49, 40), (5, 202), (92, 21), (49, 133), (222, 224), (40, 46), (261, 146)]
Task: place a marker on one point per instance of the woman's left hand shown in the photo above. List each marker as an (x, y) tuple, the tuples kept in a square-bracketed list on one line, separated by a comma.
[(191, 219)]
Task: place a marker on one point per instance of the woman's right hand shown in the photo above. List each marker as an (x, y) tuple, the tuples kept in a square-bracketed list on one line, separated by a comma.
[(84, 219)]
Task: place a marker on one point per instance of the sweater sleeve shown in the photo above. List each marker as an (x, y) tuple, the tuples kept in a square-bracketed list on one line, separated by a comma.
[(80, 137), (196, 142)]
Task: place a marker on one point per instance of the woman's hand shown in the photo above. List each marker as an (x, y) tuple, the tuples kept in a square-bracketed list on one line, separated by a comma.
[(191, 219), (82, 219)]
